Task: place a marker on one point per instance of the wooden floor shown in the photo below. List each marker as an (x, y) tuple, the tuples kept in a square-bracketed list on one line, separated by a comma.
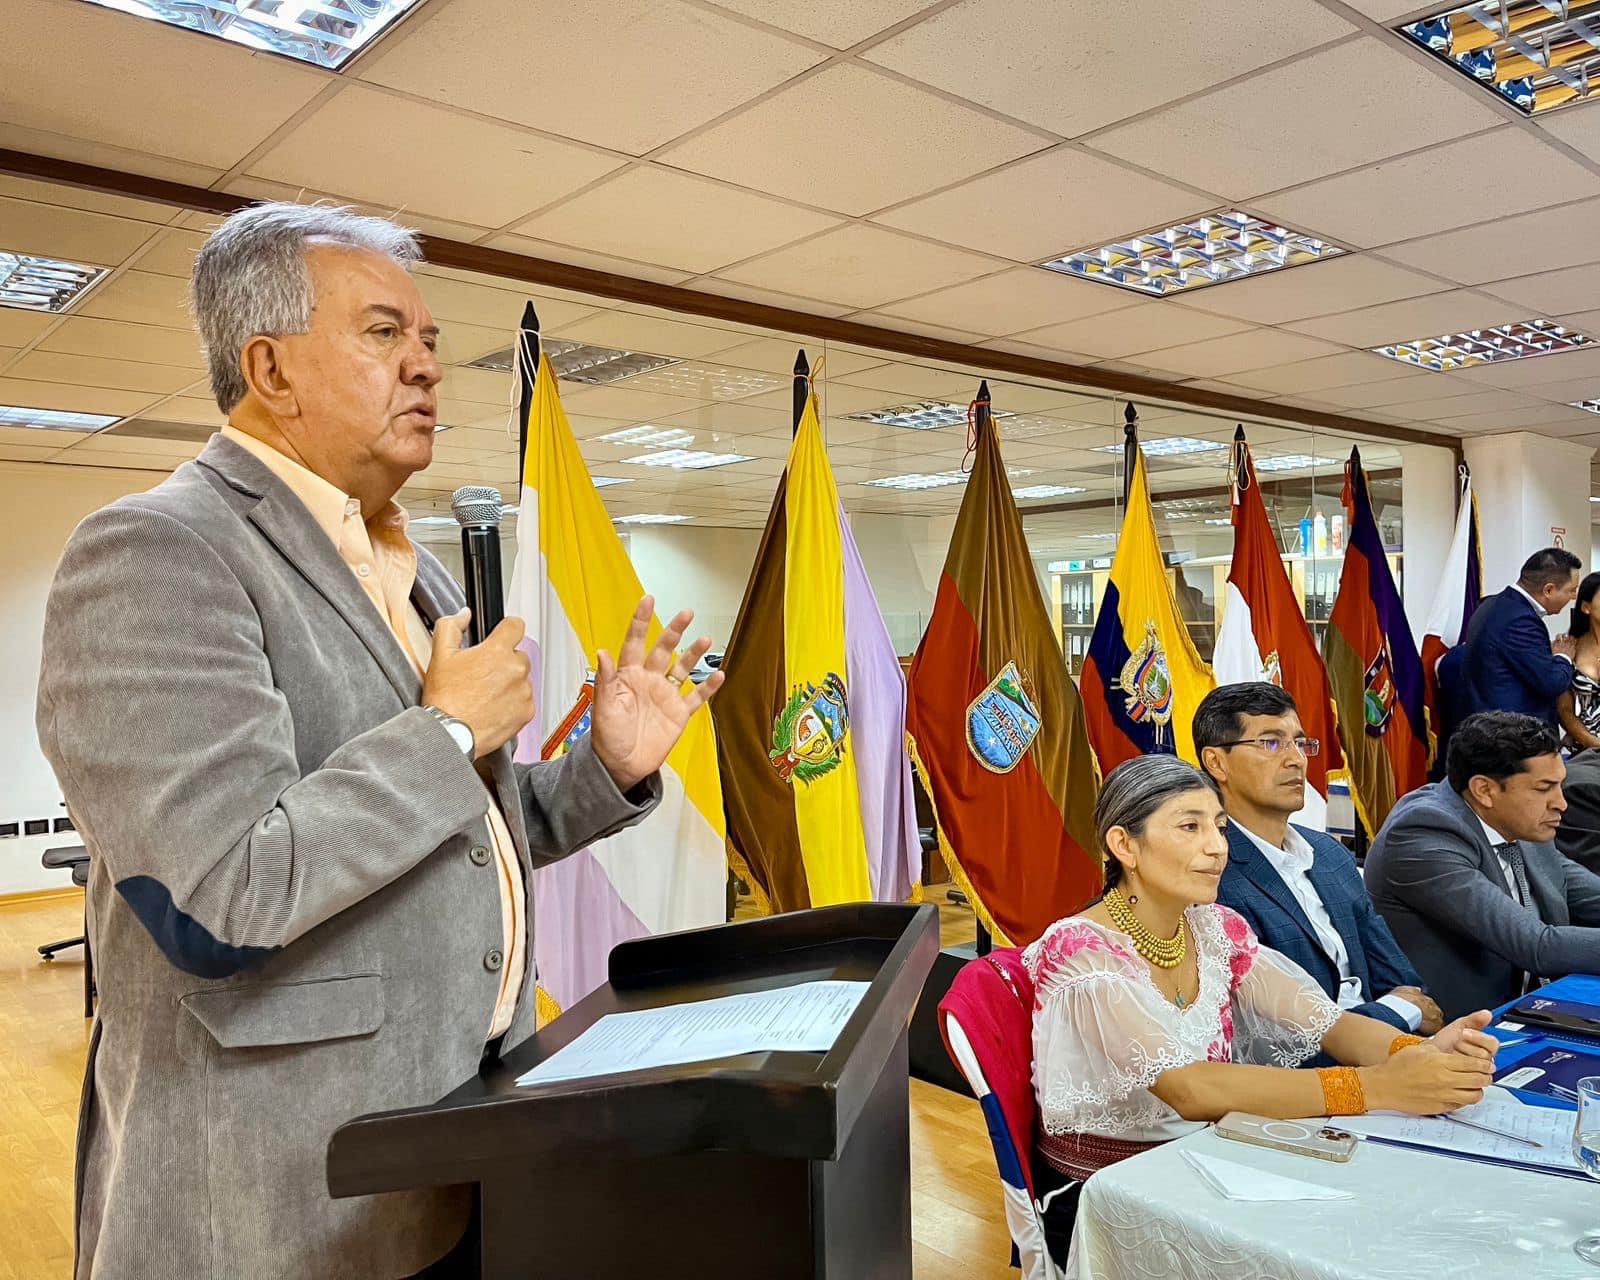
[(957, 1227)]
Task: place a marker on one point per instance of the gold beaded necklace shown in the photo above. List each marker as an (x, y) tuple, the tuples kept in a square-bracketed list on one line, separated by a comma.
[(1164, 953)]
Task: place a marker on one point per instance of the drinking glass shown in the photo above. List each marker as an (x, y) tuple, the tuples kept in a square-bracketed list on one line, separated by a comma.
[(1586, 1147)]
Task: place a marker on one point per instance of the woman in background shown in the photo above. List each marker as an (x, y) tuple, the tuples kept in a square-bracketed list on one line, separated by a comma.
[(1156, 1010), (1579, 707)]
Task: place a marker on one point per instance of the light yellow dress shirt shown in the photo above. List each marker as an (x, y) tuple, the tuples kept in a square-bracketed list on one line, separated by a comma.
[(384, 562)]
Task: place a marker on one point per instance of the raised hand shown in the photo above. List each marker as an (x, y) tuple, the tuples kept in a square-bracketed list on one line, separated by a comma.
[(642, 701)]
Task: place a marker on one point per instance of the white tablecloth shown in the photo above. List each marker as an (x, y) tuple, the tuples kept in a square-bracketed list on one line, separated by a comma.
[(1415, 1216)]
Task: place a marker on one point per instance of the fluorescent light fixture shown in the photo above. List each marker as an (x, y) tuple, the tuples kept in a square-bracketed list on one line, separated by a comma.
[(1535, 54), (648, 519), (1518, 341), (1167, 447), (652, 437), (1191, 255), (52, 419), (325, 33), (706, 381), (921, 415), (1292, 462), (1589, 406), (50, 285), (686, 459), (1220, 520), (605, 482), (1046, 491), (918, 480), (583, 362)]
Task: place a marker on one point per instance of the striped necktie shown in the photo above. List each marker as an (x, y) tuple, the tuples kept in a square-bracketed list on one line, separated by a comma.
[(1510, 853)]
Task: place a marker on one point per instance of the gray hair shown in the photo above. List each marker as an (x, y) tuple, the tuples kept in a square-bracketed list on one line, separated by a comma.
[(251, 280), (1134, 790)]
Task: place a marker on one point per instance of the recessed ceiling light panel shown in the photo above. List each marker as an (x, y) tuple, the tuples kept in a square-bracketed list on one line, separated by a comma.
[(1046, 491), (1191, 255), (1535, 54), (652, 437), (52, 419), (1167, 447), (1517, 341), (31, 283), (1592, 406), (1293, 462), (651, 518), (580, 362), (325, 33), (921, 415), (686, 459), (918, 480)]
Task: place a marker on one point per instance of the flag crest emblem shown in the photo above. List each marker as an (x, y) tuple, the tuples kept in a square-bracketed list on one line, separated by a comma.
[(574, 725), (1272, 669), (808, 734), (1147, 682), (1378, 693), (1003, 720)]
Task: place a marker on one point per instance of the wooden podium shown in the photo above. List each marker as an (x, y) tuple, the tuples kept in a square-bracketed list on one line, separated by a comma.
[(774, 1165)]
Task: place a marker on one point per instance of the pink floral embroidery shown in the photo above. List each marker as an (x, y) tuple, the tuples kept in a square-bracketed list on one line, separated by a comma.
[(1227, 1029), (1061, 944), (1244, 946)]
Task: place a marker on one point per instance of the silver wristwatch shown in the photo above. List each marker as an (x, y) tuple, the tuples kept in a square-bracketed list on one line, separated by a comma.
[(459, 730)]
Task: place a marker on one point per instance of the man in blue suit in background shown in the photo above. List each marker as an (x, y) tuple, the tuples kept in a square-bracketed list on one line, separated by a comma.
[(1299, 889), (1510, 663)]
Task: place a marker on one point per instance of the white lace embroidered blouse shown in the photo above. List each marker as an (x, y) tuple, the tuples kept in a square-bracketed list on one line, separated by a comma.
[(1103, 1032)]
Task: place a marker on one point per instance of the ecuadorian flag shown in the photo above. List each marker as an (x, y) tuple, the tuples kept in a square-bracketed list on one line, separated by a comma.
[(1143, 677), (811, 722), (576, 589)]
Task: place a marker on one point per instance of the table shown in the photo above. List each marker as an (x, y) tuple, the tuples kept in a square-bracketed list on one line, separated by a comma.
[(1414, 1215)]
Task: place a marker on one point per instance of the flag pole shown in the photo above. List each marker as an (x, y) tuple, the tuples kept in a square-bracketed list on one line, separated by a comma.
[(802, 389), (1130, 448), (982, 416), (526, 361)]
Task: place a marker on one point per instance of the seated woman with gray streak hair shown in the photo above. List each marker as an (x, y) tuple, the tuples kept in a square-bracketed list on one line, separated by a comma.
[(1157, 1010)]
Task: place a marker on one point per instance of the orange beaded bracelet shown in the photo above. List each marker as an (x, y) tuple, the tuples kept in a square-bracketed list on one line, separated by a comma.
[(1403, 1041), (1342, 1094)]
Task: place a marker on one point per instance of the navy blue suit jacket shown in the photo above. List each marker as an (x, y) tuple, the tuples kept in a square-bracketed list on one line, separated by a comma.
[(1252, 886), (1508, 665)]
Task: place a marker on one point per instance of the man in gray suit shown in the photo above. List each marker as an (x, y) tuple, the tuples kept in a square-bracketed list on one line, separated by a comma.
[(310, 843), (1465, 873), (1579, 836)]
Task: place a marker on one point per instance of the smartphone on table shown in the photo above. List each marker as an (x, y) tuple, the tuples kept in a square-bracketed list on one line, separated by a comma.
[(1300, 1137)]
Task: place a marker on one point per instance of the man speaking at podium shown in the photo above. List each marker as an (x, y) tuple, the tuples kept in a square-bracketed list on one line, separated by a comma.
[(310, 844)]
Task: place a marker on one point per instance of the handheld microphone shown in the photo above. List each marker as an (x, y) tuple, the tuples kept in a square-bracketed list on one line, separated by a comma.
[(477, 510)]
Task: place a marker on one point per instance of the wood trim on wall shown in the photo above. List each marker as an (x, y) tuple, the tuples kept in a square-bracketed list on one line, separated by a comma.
[(606, 284)]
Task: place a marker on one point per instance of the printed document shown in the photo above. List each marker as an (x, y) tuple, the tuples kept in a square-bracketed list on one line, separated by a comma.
[(807, 1016), (1515, 1125)]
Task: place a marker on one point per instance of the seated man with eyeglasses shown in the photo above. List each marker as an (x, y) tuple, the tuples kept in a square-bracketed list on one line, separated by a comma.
[(1297, 888)]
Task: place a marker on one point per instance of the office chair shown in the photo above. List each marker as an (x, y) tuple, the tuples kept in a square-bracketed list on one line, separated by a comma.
[(75, 858)]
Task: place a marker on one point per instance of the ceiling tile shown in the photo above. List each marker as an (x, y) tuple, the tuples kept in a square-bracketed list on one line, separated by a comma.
[(776, 355), (1540, 241), (583, 258), (475, 386), (18, 328), (457, 167), (1334, 284), (71, 234), (770, 297), (652, 214), (149, 344), (1475, 179), (27, 453), (142, 297), (1578, 127), (1255, 349), (51, 193), (451, 299), (915, 383), (91, 371), (120, 80), (1538, 375), (862, 266), (838, 23), (1348, 102), (1481, 400), (74, 397), (1388, 10), (1055, 203), (852, 139), (1456, 311), (1514, 419), (686, 338), (1068, 66), (664, 68), (1551, 292), (171, 253), (1328, 371), (259, 189), (1146, 326)]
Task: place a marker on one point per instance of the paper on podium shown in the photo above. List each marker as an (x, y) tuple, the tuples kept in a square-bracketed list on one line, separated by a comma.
[(1549, 1127), (806, 1016)]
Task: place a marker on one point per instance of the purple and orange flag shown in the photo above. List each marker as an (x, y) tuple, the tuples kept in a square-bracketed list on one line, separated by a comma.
[(997, 729), (1373, 668)]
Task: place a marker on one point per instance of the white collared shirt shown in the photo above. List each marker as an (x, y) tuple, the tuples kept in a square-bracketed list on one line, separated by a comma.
[(1293, 865), (1495, 840)]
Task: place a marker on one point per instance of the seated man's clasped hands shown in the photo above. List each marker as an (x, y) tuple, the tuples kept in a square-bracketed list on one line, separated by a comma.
[(1157, 1010)]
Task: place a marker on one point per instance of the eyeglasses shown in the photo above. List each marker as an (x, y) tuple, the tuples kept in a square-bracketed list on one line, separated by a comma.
[(1307, 747)]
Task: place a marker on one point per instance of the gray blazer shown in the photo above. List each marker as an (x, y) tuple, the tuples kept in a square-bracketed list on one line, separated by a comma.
[(1437, 881), (294, 914), (1579, 837)]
